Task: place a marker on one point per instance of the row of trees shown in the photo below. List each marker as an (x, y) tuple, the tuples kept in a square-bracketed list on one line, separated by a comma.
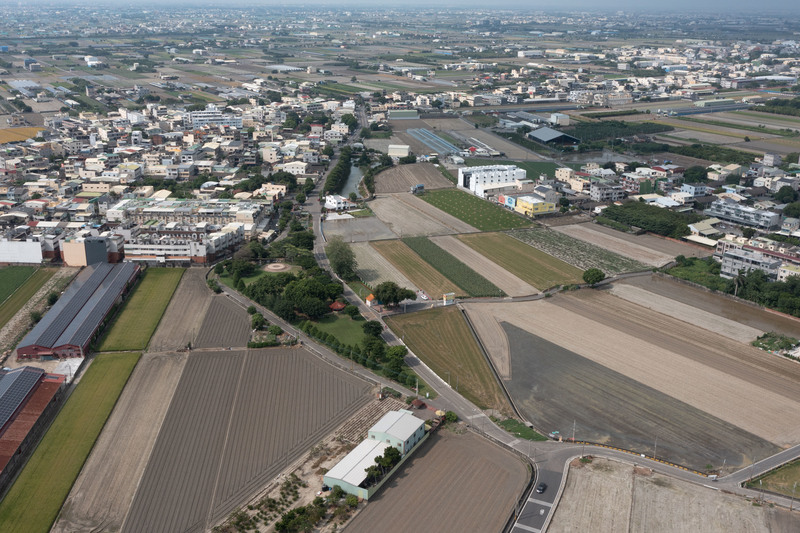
[(651, 218), (338, 175)]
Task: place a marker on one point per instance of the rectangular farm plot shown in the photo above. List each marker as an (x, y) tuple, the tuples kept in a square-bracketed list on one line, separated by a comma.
[(475, 211), (401, 178), (11, 277), (526, 262), (373, 268), (236, 420), (416, 269), (23, 293), (141, 313), (456, 271), (226, 325), (443, 340), (505, 280), (407, 216)]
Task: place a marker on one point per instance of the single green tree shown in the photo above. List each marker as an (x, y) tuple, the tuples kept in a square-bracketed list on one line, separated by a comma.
[(594, 276)]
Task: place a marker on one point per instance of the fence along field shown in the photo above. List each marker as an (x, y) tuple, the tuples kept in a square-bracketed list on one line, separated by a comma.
[(473, 283), (476, 212), (441, 338), (141, 313), (526, 262), (34, 500), (416, 269), (576, 252)]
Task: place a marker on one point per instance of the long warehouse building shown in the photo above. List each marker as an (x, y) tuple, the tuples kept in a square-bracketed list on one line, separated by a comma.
[(71, 324)]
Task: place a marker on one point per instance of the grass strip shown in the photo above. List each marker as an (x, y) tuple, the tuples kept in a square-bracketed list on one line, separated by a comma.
[(33, 502), (141, 313), (21, 296)]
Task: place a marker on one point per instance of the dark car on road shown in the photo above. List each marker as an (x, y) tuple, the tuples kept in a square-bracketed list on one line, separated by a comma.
[(541, 488)]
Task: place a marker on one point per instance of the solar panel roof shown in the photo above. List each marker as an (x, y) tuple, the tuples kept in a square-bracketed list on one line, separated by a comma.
[(15, 385)]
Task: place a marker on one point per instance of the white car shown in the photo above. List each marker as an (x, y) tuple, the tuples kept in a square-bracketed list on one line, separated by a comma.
[(423, 296)]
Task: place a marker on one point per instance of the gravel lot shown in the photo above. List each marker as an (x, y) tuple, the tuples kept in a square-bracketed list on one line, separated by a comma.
[(102, 494), (373, 268), (619, 242), (454, 483), (408, 216), (674, 378), (358, 229), (400, 179), (178, 328), (607, 496), (505, 280), (225, 325), (237, 419)]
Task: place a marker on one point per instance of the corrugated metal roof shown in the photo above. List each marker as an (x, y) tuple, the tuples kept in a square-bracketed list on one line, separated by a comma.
[(352, 469), (15, 385), (83, 305), (398, 424)]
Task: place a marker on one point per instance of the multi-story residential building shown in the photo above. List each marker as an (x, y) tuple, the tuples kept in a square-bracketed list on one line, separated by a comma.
[(606, 192), (173, 244), (211, 116), (734, 261), (743, 214), (218, 212)]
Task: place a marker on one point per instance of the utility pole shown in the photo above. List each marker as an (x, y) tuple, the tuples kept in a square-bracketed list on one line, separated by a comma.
[(655, 447), (573, 432), (791, 505)]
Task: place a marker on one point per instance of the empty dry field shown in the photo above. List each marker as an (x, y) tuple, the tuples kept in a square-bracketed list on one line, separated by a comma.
[(400, 179), (408, 216), (686, 313), (454, 483), (226, 325), (360, 229), (373, 268), (102, 494), (505, 280), (627, 373), (607, 496), (417, 270), (236, 420), (178, 327), (526, 262), (590, 234)]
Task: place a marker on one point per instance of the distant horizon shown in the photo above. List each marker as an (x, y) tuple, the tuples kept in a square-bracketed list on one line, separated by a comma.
[(720, 8)]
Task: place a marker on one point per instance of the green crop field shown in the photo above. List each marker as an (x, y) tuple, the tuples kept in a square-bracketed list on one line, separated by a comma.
[(33, 502), (533, 168), (473, 283), (23, 294), (416, 269), (142, 311), (11, 277), (526, 262), (576, 252), (443, 340), (475, 211)]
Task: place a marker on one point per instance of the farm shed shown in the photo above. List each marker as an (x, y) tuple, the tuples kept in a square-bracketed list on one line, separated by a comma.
[(68, 328), (15, 388), (400, 429), (350, 472), (550, 136)]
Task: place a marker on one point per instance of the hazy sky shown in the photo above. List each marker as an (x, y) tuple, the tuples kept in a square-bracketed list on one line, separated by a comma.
[(789, 7)]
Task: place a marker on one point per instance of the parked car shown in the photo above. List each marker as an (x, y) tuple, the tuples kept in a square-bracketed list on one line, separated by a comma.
[(541, 488)]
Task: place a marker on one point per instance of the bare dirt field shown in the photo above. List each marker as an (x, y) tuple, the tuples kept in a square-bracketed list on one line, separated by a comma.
[(648, 249), (710, 138), (373, 268), (400, 179), (178, 327), (225, 325), (236, 420), (505, 280), (686, 313), (607, 496), (493, 337), (454, 483), (358, 229), (717, 304), (655, 373), (102, 494), (408, 216), (382, 145)]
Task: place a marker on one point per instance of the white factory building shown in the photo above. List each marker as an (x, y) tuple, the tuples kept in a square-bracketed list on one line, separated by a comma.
[(479, 180)]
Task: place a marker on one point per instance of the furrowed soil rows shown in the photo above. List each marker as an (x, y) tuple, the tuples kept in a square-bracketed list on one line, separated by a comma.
[(226, 325), (373, 268), (607, 496), (236, 420), (416, 269), (358, 229), (400, 179), (576, 252), (102, 494), (457, 482), (508, 282), (178, 327)]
